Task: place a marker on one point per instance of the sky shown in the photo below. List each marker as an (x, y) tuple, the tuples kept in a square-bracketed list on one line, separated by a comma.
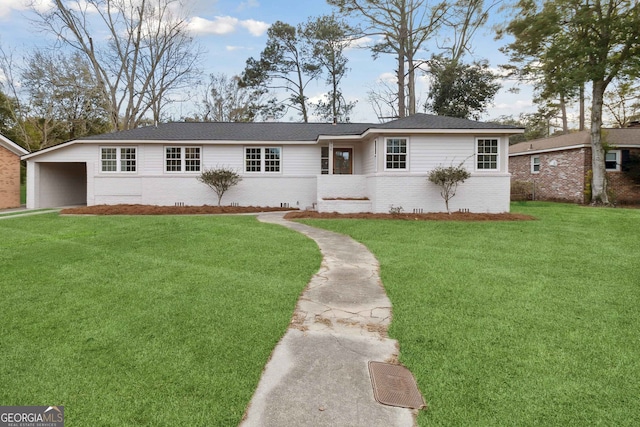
[(230, 32)]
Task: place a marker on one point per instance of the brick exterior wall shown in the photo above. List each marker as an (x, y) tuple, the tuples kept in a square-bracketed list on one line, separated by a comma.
[(561, 177), (9, 179), (567, 180), (622, 189)]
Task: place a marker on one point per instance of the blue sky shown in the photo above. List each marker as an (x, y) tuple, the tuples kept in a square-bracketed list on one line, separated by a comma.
[(231, 31)]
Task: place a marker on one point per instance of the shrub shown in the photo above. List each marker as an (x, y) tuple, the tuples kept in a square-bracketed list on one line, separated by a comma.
[(220, 179), (448, 179)]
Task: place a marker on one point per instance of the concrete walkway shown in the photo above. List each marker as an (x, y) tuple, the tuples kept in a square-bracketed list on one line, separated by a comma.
[(318, 373)]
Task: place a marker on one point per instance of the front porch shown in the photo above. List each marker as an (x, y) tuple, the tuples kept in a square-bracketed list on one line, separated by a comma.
[(343, 193)]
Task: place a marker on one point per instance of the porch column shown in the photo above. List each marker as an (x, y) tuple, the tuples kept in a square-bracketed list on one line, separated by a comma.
[(330, 157)]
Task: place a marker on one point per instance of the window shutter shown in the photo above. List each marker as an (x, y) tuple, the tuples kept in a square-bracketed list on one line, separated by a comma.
[(624, 161)]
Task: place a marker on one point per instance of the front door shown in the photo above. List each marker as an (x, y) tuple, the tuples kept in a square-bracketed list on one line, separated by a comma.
[(342, 161)]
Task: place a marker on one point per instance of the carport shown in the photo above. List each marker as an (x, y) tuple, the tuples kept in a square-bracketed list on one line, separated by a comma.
[(56, 184)]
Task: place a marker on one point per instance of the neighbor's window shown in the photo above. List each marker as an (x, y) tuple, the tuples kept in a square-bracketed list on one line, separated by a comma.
[(182, 159), (396, 153), (324, 160), (262, 159), (487, 154), (118, 159), (612, 160), (535, 164)]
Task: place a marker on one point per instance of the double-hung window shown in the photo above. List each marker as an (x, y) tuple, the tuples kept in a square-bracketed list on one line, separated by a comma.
[(118, 159), (612, 160), (487, 154), (535, 164), (262, 159), (396, 153), (182, 159)]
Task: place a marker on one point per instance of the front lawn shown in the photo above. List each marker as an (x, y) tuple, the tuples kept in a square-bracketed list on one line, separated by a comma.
[(516, 323), (163, 321)]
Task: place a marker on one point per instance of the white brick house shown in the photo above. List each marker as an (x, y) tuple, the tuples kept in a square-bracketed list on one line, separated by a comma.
[(344, 167)]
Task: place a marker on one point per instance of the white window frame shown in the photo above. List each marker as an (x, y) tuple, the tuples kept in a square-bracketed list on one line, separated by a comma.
[(182, 159), (618, 160), (534, 164), (394, 161), (324, 160), (120, 159), (262, 163), (483, 154)]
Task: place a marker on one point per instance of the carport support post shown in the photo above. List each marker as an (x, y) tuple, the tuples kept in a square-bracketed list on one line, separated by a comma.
[(33, 181)]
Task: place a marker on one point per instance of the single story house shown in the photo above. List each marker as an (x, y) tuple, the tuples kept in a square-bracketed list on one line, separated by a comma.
[(345, 167), (10, 153), (558, 168)]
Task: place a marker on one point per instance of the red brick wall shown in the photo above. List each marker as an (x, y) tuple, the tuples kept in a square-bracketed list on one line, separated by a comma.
[(566, 181), (561, 176), (622, 189), (9, 179)]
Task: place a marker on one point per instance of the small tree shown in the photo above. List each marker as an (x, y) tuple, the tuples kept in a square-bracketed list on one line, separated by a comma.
[(220, 179), (448, 179)]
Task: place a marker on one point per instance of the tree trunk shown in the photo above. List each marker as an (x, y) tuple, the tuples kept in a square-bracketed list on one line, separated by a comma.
[(599, 176), (401, 57), (581, 125), (563, 109)]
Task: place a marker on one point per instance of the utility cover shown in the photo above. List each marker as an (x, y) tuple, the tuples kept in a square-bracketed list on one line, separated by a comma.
[(394, 385)]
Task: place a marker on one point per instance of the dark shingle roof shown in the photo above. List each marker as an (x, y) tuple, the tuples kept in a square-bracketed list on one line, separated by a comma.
[(429, 121), (219, 131)]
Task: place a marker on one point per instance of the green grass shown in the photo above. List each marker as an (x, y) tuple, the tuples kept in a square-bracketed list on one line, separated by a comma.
[(516, 323), (163, 321)]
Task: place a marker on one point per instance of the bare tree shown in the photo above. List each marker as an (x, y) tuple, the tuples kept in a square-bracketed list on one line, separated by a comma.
[(147, 54), (623, 102), (224, 100), (403, 26)]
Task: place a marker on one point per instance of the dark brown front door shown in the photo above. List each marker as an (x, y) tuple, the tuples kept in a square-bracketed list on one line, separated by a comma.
[(342, 161)]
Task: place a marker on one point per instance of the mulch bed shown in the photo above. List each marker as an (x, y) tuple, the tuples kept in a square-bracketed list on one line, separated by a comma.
[(434, 216), (209, 210), (165, 210)]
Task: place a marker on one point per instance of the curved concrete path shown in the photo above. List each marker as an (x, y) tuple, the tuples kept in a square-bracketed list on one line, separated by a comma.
[(318, 373)]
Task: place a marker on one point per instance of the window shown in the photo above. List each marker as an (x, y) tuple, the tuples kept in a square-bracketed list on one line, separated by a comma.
[(182, 159), (396, 153), (114, 159), (487, 154), (262, 159), (535, 164), (612, 160), (324, 160)]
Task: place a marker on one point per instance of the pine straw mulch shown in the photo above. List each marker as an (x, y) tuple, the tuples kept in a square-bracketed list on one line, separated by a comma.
[(165, 210), (210, 210)]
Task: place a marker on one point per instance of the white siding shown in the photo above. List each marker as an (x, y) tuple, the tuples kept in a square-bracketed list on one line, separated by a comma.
[(429, 152), (301, 160), (368, 155)]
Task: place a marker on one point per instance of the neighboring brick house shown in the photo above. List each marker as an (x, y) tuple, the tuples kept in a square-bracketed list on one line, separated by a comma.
[(10, 153), (558, 168)]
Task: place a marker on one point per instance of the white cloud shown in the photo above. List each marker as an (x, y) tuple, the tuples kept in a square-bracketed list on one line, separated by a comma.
[(222, 25), (7, 6), (249, 4), (256, 28)]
